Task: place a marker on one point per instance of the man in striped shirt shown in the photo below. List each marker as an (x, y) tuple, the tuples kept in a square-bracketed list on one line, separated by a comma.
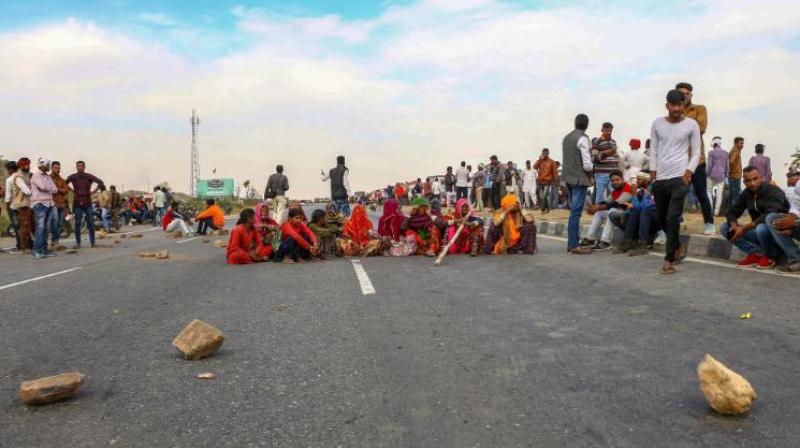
[(605, 160)]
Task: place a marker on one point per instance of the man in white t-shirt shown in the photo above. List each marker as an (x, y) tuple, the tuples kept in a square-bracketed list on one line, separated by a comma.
[(529, 185), (634, 161)]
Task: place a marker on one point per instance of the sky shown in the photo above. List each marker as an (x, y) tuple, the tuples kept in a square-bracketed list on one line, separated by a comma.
[(401, 88)]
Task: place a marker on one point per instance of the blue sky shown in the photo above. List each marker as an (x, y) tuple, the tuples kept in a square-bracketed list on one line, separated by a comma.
[(429, 81)]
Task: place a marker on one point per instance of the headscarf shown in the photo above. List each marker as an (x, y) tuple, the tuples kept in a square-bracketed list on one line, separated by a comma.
[(389, 224), (436, 208), (23, 162), (511, 234), (635, 143), (358, 226), (420, 202), (459, 205), (43, 162), (258, 221)]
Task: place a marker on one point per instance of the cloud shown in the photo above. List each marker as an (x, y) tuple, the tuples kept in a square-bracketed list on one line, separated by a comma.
[(157, 19), (403, 94)]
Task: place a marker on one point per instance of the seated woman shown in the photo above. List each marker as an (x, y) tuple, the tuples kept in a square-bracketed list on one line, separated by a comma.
[(420, 225), (268, 228), (439, 220), (245, 246), (357, 237), (326, 234), (298, 242), (510, 231), (174, 220), (396, 243), (470, 241), (334, 219)]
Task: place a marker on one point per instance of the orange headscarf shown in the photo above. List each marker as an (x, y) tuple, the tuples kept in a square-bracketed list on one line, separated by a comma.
[(358, 226), (511, 235)]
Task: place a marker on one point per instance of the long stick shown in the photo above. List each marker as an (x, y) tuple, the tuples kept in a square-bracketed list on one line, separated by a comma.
[(449, 244)]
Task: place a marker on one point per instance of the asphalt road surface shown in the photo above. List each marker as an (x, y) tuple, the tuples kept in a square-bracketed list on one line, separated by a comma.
[(529, 351)]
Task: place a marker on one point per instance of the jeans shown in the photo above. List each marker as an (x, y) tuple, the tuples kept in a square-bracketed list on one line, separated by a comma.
[(290, 248), (13, 216), (601, 181), (79, 213), (56, 223), (204, 224), (160, 212), (641, 225), (785, 242), (543, 191), (669, 195), (715, 199), (699, 181), (577, 199), (462, 193), (735, 186), (41, 219), (343, 206), (104, 214), (756, 241)]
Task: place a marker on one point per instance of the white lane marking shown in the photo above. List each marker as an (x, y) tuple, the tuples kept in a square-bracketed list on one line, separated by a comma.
[(363, 278), (139, 231), (11, 285), (7, 248), (188, 239), (720, 264)]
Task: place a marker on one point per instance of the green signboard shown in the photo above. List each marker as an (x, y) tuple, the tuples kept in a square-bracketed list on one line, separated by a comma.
[(214, 188)]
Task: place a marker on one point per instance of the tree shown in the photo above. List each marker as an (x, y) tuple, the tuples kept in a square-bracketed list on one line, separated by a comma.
[(794, 160)]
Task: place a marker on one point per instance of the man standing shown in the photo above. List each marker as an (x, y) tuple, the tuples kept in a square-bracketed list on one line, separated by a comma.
[(462, 182), (762, 163), (340, 185), (498, 180), (699, 114), (634, 160), (672, 137), (11, 168), (718, 171), (528, 185), (735, 176), (760, 199), (277, 186), (450, 187), (21, 203), (545, 180), (159, 200), (60, 203), (605, 159), (478, 181), (42, 190), (82, 203), (576, 172), (785, 227)]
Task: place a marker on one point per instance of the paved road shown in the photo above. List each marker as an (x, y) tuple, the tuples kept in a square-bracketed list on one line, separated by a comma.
[(549, 350)]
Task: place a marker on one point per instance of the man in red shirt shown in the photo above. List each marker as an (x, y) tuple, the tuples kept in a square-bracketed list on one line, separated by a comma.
[(616, 196)]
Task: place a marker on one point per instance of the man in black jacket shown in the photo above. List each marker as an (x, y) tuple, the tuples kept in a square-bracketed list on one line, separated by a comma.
[(754, 238)]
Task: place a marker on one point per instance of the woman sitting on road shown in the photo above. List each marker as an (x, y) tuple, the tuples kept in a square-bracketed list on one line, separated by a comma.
[(326, 234), (298, 242), (389, 230), (268, 228), (357, 237), (420, 225), (470, 241), (334, 219), (511, 231), (245, 246)]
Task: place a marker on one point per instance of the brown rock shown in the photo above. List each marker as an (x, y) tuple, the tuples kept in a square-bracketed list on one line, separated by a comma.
[(71, 251), (220, 232), (206, 240), (198, 340), (117, 241), (124, 236), (220, 243), (163, 255), (147, 254), (726, 391), (136, 235), (50, 389)]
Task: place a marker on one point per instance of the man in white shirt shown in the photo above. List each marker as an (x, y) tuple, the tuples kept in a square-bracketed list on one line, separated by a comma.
[(635, 160), (785, 229), (529, 186), (462, 182), (671, 138), (11, 168)]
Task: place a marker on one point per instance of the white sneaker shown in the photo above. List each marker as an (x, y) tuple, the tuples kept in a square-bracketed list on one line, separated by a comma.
[(710, 230), (661, 238)]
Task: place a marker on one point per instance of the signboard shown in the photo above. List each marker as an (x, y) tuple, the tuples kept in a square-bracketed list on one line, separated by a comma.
[(214, 188)]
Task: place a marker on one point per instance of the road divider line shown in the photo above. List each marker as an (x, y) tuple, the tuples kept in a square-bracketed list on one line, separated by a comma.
[(363, 278), (188, 239), (138, 231), (11, 285)]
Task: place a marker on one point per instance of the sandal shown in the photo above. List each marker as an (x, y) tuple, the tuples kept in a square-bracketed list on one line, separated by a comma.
[(668, 271)]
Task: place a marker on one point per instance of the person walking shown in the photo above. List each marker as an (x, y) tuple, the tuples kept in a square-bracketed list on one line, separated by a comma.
[(462, 182), (21, 203), (529, 185), (576, 172), (718, 171), (762, 163), (277, 186), (545, 180), (42, 190), (340, 185), (81, 183), (671, 138), (735, 175)]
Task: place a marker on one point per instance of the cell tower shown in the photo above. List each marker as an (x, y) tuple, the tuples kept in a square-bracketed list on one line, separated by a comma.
[(194, 157)]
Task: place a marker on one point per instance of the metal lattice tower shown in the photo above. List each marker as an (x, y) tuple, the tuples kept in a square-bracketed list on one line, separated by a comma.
[(194, 157)]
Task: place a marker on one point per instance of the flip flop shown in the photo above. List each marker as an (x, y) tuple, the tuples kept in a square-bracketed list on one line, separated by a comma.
[(668, 271)]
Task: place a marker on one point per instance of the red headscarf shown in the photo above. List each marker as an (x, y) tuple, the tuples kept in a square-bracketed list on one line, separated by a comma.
[(635, 143), (358, 226), (389, 224)]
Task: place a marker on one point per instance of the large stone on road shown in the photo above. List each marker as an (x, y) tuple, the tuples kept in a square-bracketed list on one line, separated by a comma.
[(198, 340), (726, 391), (51, 388)]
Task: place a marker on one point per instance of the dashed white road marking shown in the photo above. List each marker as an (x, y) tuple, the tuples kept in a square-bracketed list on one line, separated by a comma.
[(140, 231), (11, 285), (721, 264), (363, 278), (188, 239)]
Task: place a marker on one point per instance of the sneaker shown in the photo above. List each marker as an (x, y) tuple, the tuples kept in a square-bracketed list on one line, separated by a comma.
[(765, 263), (580, 251), (586, 242), (710, 230), (39, 256), (791, 268), (661, 238), (50, 255), (602, 245), (750, 260)]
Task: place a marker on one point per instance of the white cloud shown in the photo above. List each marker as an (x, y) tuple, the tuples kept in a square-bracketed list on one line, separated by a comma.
[(158, 19)]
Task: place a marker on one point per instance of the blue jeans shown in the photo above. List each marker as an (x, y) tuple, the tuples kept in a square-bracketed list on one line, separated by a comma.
[(56, 223), (343, 205), (735, 186), (80, 213), (290, 248), (41, 219), (785, 242), (104, 213), (641, 225), (160, 211), (601, 181), (756, 241), (577, 194)]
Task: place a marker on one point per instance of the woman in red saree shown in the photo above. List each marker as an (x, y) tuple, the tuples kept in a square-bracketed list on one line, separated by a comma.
[(470, 241), (244, 246), (265, 225), (357, 237), (420, 225)]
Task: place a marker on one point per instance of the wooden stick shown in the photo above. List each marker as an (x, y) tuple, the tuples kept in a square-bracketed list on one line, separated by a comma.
[(449, 245)]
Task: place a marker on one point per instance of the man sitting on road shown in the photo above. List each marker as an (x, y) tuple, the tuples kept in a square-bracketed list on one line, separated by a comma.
[(640, 222), (785, 228), (754, 238), (210, 218), (174, 220), (619, 192)]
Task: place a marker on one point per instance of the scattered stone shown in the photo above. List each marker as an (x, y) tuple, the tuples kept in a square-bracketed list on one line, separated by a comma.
[(147, 254), (136, 235), (206, 240), (117, 241), (71, 251), (100, 236), (59, 248), (283, 307), (220, 244), (207, 376), (124, 236), (726, 391), (198, 340), (51, 388), (163, 255), (220, 232)]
